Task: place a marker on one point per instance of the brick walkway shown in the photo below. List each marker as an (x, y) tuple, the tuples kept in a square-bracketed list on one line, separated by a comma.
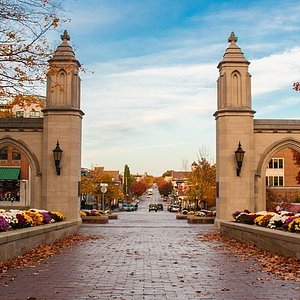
[(145, 256)]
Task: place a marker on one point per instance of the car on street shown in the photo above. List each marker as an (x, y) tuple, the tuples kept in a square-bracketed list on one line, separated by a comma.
[(129, 207), (174, 208), (160, 206), (152, 207)]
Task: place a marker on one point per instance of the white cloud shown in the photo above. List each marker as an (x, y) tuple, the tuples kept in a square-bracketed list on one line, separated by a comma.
[(275, 72)]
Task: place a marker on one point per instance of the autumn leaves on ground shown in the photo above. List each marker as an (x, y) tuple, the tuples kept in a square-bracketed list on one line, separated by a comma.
[(38, 255), (286, 268)]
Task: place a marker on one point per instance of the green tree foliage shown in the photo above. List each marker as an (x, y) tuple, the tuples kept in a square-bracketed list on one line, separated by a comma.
[(24, 49), (167, 173), (127, 180), (202, 182)]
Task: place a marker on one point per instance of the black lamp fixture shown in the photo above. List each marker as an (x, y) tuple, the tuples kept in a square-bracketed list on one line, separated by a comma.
[(57, 153), (239, 156)]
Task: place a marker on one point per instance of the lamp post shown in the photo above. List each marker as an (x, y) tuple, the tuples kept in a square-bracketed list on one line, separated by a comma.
[(239, 156), (103, 191), (197, 199), (25, 198), (97, 193), (57, 154)]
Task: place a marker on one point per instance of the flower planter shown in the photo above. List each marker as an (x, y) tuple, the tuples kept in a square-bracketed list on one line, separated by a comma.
[(200, 220), (181, 217), (276, 241), (95, 219), (295, 207), (112, 217), (16, 242)]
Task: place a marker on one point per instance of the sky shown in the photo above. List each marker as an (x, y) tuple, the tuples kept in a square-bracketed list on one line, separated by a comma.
[(149, 89)]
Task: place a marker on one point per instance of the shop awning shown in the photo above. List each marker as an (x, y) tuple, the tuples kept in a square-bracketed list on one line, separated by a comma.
[(9, 173)]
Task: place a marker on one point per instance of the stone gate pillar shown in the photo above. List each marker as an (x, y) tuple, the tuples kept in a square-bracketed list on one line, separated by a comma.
[(62, 123), (234, 124)]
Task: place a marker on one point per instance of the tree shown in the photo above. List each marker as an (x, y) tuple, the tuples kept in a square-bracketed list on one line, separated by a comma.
[(127, 180), (138, 188), (24, 50), (22, 102), (296, 86), (165, 188), (167, 173), (202, 182), (92, 185)]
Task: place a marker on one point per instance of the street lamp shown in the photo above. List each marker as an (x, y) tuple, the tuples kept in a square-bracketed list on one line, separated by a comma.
[(57, 153), (24, 181), (239, 156), (103, 191)]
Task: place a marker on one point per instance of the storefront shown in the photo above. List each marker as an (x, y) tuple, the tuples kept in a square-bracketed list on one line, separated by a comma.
[(9, 184)]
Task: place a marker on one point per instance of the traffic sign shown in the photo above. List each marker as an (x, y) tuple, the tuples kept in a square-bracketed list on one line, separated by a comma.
[(103, 189)]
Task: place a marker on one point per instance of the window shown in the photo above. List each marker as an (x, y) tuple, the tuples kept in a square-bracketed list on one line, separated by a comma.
[(16, 154), (20, 114), (274, 180), (34, 114), (276, 163), (3, 153)]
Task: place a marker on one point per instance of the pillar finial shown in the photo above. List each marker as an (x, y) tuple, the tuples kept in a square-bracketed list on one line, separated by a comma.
[(65, 36), (232, 38)]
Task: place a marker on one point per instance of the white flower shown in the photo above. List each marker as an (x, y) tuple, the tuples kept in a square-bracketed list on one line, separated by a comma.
[(262, 213)]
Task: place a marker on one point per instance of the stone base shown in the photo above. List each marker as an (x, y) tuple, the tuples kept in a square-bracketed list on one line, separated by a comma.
[(95, 219), (16, 242), (112, 217), (200, 220), (181, 217)]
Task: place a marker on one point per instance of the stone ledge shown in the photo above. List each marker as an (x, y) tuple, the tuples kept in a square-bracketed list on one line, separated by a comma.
[(181, 217), (16, 242), (276, 241), (112, 217), (95, 219), (200, 220)]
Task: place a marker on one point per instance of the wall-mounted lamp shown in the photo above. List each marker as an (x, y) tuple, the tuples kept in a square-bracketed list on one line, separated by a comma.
[(239, 156), (57, 153)]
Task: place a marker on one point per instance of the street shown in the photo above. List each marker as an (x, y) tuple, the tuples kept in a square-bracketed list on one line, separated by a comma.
[(146, 255)]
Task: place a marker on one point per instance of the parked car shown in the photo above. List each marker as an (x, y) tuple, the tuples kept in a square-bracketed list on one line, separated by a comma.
[(160, 207), (129, 207), (152, 207), (174, 208)]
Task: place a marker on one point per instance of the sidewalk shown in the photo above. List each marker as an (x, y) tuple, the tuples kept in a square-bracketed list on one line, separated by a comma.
[(147, 256)]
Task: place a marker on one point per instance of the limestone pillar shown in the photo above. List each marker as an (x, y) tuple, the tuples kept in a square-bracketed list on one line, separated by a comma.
[(62, 123), (234, 124)]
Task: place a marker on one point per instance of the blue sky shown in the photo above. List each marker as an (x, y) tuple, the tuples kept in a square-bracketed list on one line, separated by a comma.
[(150, 91)]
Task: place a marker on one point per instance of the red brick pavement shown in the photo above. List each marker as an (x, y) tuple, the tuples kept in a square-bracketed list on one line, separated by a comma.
[(145, 256)]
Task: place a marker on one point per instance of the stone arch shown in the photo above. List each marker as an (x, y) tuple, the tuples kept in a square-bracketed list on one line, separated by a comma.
[(273, 148), (260, 183), (22, 146), (31, 199)]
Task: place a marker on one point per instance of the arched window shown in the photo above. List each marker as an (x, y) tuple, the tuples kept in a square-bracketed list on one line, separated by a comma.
[(16, 154), (62, 81), (4, 153), (236, 89)]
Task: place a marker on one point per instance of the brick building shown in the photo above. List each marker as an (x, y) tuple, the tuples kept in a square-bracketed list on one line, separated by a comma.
[(281, 176)]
